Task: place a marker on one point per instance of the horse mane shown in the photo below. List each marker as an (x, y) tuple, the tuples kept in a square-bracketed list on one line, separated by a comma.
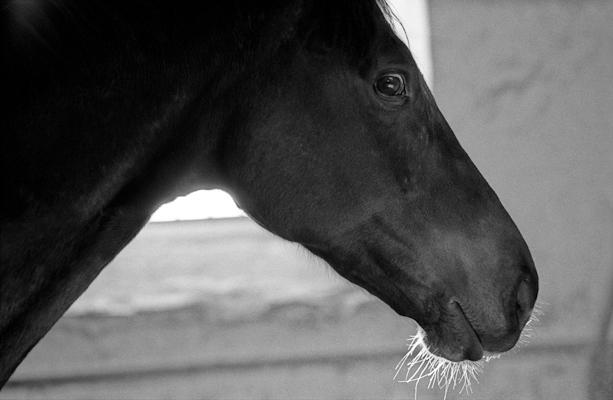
[(333, 26), (346, 27)]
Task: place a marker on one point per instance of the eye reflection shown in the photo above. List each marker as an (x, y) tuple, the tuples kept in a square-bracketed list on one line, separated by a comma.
[(390, 85)]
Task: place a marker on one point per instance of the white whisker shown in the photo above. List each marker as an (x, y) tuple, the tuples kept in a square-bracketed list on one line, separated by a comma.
[(422, 363)]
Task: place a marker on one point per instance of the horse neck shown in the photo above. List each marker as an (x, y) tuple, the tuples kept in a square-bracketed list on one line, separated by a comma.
[(147, 109), (177, 60)]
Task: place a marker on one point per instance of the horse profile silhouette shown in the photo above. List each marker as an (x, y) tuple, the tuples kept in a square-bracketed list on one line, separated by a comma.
[(313, 114)]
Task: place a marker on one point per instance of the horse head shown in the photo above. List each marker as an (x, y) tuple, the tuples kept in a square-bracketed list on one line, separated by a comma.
[(343, 149)]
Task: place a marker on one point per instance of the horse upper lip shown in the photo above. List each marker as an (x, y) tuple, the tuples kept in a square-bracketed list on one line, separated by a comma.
[(474, 348), (470, 324)]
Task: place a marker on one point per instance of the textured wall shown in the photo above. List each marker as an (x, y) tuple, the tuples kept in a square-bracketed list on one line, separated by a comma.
[(528, 88)]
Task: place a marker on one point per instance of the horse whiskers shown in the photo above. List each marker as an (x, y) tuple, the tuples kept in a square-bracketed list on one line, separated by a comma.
[(528, 331), (421, 363), (438, 371)]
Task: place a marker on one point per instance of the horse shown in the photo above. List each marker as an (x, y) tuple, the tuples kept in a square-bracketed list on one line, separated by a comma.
[(312, 114)]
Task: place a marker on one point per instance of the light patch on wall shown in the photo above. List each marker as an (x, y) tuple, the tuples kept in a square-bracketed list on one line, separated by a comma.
[(413, 14)]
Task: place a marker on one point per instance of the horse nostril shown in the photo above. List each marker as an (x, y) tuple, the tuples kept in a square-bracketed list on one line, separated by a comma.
[(525, 300)]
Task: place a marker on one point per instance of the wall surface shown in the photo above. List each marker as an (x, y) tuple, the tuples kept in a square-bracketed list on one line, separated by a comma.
[(528, 88)]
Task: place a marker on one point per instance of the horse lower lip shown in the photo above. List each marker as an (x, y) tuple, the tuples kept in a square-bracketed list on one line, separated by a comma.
[(474, 349)]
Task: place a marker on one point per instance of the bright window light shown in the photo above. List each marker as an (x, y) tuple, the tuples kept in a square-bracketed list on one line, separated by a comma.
[(202, 204)]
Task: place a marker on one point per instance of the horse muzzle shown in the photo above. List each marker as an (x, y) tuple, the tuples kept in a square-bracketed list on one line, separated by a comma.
[(461, 335), (453, 338)]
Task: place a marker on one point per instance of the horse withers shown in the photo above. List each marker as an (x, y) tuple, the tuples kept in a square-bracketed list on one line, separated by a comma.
[(313, 114)]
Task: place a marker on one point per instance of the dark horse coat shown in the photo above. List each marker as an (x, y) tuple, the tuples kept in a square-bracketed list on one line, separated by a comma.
[(312, 113)]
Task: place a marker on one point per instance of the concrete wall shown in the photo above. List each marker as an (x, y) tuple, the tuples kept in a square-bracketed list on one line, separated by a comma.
[(528, 88)]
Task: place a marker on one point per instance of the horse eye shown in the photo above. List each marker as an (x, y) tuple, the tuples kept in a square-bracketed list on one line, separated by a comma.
[(390, 85)]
